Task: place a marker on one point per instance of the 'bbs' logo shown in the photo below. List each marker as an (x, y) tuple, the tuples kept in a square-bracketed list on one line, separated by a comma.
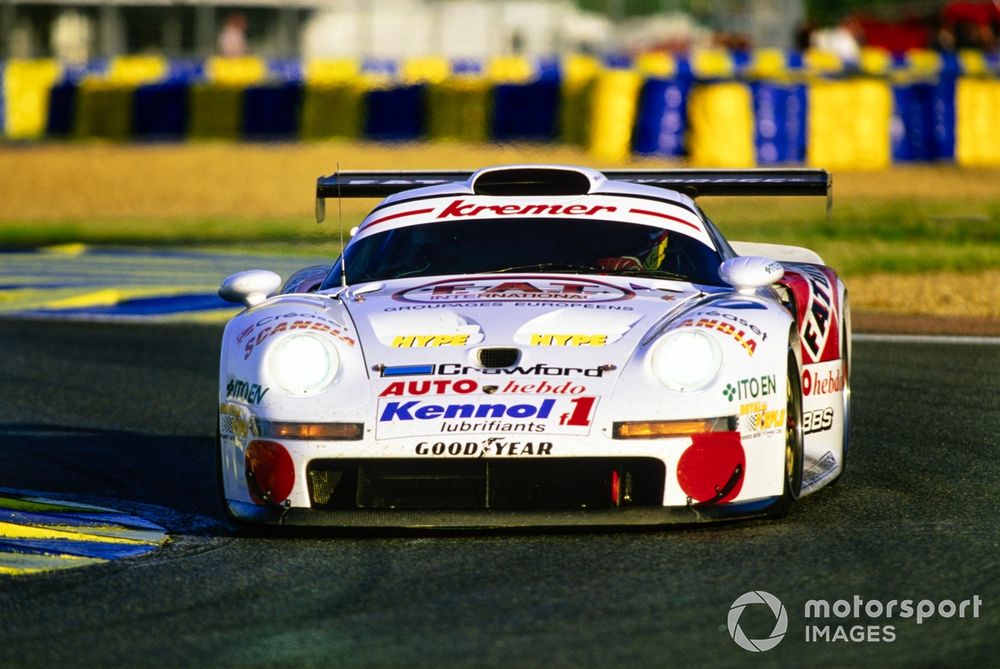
[(819, 420)]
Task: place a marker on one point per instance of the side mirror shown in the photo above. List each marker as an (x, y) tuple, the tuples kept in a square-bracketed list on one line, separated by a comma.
[(251, 287), (748, 273)]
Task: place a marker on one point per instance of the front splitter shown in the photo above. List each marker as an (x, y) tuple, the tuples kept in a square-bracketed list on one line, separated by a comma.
[(500, 518)]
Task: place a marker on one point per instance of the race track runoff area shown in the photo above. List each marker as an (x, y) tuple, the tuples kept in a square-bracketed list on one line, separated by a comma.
[(78, 281), (42, 534)]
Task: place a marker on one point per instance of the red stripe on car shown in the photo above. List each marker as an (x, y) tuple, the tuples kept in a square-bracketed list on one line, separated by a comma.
[(666, 216), (415, 212)]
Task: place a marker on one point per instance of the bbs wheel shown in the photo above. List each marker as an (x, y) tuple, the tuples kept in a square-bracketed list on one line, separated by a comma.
[(792, 473)]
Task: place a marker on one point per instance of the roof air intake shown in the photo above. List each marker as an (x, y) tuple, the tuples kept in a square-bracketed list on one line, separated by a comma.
[(497, 358), (531, 181)]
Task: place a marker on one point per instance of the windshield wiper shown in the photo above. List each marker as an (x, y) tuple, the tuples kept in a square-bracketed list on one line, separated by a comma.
[(551, 267)]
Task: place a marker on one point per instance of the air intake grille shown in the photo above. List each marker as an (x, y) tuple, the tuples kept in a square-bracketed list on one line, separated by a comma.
[(532, 181), (495, 358), (486, 483)]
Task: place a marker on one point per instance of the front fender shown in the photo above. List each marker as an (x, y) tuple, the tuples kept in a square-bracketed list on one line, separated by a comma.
[(244, 374)]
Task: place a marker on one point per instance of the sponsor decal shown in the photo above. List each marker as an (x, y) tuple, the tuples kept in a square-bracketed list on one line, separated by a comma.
[(493, 446), (416, 410), (815, 296), (474, 427), (818, 383), (758, 418), (251, 393), (235, 422), (556, 415), (541, 369), (751, 388), (568, 340), (253, 336), (467, 386), (429, 341), (735, 320), (458, 369), (435, 387), (818, 420), (577, 305), (543, 388), (407, 370), (459, 209), (728, 324), (533, 287)]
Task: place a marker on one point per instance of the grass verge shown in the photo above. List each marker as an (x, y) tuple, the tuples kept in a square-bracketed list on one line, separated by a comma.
[(929, 233)]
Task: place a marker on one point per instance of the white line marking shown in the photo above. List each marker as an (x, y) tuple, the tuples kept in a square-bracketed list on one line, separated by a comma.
[(927, 339)]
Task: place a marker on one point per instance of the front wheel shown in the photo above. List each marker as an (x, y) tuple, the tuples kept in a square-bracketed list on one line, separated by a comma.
[(792, 474)]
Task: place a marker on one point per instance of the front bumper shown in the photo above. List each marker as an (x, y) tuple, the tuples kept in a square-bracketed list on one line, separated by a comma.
[(499, 519)]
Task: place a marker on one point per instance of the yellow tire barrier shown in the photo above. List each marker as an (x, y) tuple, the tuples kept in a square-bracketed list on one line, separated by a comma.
[(26, 86), (977, 122), (721, 125), (579, 76), (849, 124), (216, 111), (332, 110), (242, 71), (459, 109), (615, 101), (137, 70), (104, 110)]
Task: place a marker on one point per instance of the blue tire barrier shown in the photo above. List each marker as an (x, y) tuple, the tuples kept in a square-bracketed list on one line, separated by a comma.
[(185, 71), (913, 123), (272, 112), (779, 122), (160, 111), (661, 122), (395, 114), (945, 118), (525, 111), (62, 109)]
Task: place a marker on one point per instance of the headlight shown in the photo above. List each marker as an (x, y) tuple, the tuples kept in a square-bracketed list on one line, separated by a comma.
[(303, 364), (686, 360)]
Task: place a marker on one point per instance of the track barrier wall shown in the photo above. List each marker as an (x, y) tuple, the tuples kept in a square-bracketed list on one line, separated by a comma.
[(709, 107)]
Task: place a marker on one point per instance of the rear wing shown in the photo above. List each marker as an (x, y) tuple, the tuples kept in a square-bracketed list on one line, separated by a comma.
[(694, 182)]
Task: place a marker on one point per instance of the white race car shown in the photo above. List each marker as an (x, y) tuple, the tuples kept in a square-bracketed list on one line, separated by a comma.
[(536, 345)]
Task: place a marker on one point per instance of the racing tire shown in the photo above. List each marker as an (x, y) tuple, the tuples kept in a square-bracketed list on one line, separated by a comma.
[(792, 475)]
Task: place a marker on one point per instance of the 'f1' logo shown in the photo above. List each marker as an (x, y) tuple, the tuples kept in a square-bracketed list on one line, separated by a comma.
[(581, 412)]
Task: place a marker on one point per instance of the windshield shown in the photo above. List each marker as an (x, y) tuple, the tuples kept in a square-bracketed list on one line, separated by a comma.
[(528, 245)]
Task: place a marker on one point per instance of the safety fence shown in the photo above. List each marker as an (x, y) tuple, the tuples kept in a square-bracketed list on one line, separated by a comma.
[(709, 107)]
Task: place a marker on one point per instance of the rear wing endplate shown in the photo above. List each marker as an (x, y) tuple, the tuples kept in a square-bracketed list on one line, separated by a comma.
[(694, 182)]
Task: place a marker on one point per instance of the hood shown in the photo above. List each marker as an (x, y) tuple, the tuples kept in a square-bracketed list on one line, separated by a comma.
[(567, 322)]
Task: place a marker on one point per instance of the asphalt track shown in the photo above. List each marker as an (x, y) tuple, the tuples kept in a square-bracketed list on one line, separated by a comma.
[(124, 414)]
